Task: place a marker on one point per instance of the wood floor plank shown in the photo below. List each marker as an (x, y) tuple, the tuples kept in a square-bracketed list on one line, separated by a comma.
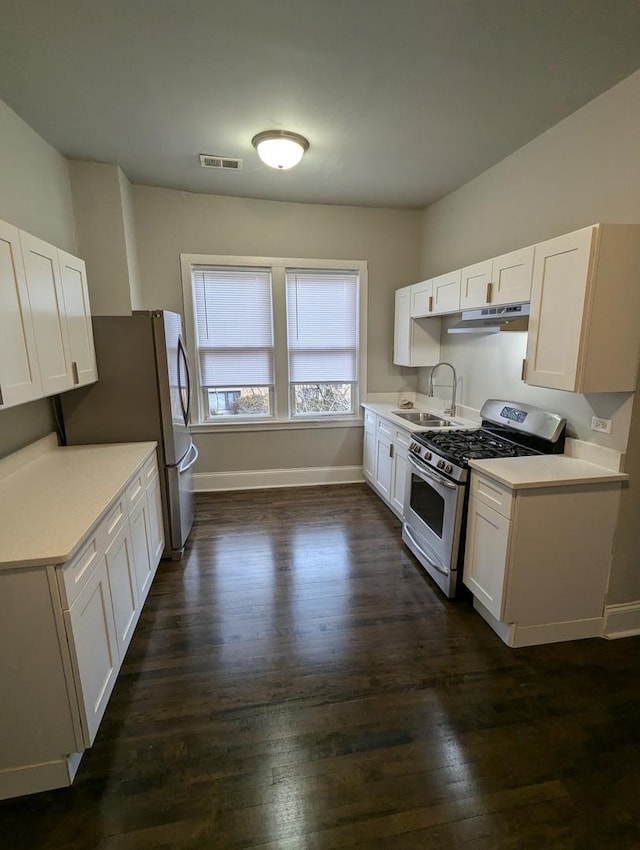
[(297, 683)]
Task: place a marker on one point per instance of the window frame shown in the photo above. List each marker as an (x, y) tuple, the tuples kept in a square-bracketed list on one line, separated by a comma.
[(281, 414)]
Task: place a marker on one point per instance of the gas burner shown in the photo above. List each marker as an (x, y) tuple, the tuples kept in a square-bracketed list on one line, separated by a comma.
[(461, 446)]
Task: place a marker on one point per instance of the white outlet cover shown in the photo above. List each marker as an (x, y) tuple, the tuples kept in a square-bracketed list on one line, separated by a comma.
[(603, 426)]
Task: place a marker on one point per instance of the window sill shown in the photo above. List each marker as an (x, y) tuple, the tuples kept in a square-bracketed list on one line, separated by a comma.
[(282, 425)]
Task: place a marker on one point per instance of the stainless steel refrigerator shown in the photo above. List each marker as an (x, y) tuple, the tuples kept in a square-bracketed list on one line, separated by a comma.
[(143, 392)]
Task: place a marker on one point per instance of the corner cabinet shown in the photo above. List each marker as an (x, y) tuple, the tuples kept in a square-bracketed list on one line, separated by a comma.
[(528, 591), (46, 339), (585, 302), (385, 462), (416, 342)]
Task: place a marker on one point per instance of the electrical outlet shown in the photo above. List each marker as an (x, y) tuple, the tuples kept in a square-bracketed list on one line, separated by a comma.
[(601, 425)]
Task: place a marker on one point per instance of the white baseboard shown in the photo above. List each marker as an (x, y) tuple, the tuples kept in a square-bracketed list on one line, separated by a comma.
[(33, 778), (621, 620), (261, 479), (519, 636)]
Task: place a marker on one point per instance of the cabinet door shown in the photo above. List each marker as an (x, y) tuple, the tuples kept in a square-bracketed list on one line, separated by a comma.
[(140, 539), (94, 651), (421, 298), (123, 586), (78, 314), (398, 479), (156, 527), (474, 285), (446, 292), (384, 465), (368, 447), (19, 369), (511, 277), (44, 286), (558, 293), (486, 554), (402, 328)]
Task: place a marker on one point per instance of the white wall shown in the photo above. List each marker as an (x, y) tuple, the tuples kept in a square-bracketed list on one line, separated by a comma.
[(106, 236), (170, 222), (35, 195), (584, 170)]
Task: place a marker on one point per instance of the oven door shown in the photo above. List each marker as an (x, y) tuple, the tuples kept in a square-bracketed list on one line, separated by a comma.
[(433, 516)]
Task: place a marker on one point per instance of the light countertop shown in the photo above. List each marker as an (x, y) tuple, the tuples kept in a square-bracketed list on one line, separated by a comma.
[(521, 473), (53, 500), (387, 409)]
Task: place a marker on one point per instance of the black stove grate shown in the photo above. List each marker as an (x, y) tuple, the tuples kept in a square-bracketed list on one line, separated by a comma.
[(460, 446)]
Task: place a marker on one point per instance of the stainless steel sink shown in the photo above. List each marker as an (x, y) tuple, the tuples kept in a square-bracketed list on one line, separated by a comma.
[(416, 417)]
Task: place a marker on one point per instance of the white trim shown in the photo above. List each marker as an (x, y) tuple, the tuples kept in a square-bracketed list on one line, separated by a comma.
[(278, 265), (517, 636), (275, 425), (260, 479), (33, 778), (621, 620)]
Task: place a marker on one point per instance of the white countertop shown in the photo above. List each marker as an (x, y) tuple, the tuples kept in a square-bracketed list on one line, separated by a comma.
[(49, 503), (387, 409), (521, 473)]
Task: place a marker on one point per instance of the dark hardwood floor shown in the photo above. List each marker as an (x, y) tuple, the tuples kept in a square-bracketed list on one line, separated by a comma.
[(296, 683)]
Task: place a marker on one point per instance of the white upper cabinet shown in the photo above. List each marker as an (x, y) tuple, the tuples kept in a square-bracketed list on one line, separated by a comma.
[(511, 277), (475, 285), (502, 280), (446, 292), (585, 302), (19, 369), (416, 342), (44, 286), (78, 315), (421, 298)]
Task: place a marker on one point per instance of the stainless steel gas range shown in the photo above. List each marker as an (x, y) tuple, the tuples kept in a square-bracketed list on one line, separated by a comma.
[(436, 496)]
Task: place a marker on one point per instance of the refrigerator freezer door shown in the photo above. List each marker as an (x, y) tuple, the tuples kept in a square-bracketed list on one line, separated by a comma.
[(174, 386), (180, 499)]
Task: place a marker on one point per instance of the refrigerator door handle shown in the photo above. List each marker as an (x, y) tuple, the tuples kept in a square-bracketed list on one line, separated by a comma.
[(188, 463), (182, 352)]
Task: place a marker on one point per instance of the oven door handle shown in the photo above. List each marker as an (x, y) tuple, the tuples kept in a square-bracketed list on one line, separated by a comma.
[(440, 569), (426, 471)]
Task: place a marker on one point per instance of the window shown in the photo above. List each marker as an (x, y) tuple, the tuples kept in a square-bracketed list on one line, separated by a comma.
[(274, 340)]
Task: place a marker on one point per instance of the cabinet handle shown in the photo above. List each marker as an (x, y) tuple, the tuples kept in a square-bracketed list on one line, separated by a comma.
[(74, 371), (523, 373), (430, 303), (1, 399), (489, 292), (391, 450)]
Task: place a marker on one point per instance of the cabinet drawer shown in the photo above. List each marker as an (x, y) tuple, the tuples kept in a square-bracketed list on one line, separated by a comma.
[(493, 494), (369, 419), (402, 438), (135, 490), (73, 576), (150, 470), (115, 520), (385, 427)]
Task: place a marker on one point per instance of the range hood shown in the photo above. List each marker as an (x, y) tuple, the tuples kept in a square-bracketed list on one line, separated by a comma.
[(513, 317)]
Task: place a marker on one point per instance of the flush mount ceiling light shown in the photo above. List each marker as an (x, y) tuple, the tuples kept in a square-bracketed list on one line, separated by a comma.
[(280, 149)]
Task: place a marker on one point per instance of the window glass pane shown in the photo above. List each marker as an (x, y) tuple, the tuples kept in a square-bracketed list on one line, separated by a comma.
[(238, 401), (322, 399)]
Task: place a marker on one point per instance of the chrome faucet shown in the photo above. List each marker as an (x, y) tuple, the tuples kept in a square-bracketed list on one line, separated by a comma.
[(451, 411)]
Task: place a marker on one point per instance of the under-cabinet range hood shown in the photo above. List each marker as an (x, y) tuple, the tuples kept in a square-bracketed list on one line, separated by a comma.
[(513, 317)]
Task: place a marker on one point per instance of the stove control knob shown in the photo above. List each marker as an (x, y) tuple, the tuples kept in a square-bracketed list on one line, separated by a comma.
[(428, 455), (414, 448), (448, 468), (440, 464)]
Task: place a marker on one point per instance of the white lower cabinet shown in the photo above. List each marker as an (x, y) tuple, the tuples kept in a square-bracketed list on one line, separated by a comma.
[(537, 559), (384, 462), (73, 637)]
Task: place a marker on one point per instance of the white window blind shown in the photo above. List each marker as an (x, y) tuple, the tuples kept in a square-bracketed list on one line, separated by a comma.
[(234, 326), (322, 326)]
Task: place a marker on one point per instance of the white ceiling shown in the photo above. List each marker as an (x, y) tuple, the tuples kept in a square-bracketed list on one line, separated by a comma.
[(402, 100)]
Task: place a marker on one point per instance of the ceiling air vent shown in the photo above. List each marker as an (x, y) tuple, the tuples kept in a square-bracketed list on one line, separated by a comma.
[(227, 163)]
